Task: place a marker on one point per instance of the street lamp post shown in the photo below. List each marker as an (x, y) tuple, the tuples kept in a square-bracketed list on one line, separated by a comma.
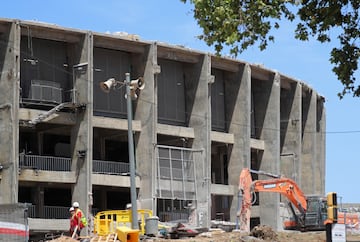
[(134, 220), (131, 86)]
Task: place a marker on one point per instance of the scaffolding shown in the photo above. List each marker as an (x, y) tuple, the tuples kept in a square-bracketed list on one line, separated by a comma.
[(175, 182)]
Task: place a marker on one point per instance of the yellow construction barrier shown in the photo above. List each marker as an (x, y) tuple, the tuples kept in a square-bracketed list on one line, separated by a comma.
[(125, 234), (106, 222)]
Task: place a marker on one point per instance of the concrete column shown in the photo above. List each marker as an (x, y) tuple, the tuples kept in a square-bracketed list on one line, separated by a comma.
[(238, 103), (82, 131), (197, 87), (146, 111), (290, 134), (9, 109), (267, 101), (309, 146), (320, 146)]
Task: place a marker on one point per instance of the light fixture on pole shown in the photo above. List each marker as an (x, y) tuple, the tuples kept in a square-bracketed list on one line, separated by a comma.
[(132, 87)]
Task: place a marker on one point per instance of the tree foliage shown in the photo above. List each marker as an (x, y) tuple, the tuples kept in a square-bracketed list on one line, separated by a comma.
[(239, 24)]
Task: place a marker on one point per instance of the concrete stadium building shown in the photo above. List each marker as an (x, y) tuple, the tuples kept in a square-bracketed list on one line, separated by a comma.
[(199, 120)]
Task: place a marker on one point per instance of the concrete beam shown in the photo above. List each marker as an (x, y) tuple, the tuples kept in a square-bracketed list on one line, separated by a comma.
[(177, 131), (257, 144), (113, 181), (50, 31), (48, 225), (225, 138), (180, 54), (31, 175), (230, 65), (224, 190), (27, 114), (114, 42), (115, 123)]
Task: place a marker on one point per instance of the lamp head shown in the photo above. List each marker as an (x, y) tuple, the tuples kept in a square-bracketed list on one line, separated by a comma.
[(107, 85), (137, 84)]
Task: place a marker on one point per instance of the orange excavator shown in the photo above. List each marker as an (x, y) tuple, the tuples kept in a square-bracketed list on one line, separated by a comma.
[(308, 212)]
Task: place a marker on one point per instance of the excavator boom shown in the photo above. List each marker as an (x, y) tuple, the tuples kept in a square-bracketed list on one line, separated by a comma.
[(312, 209), (282, 185)]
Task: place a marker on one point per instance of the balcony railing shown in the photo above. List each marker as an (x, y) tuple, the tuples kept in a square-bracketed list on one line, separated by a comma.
[(48, 212), (46, 163), (52, 212), (110, 167), (52, 163)]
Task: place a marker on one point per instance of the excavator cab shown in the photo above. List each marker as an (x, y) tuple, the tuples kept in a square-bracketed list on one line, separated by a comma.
[(312, 219), (316, 213)]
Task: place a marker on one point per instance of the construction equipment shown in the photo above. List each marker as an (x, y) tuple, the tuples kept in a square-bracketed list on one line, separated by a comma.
[(107, 222), (308, 212)]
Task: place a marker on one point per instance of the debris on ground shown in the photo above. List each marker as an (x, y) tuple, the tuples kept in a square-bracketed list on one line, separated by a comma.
[(182, 230), (264, 232)]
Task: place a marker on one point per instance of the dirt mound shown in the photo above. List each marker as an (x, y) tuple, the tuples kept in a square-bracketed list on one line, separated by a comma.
[(264, 232)]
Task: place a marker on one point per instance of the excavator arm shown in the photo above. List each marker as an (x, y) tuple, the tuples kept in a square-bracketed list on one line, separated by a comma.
[(282, 185)]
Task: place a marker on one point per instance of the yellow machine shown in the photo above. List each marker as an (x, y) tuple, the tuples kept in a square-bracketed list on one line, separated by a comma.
[(107, 222)]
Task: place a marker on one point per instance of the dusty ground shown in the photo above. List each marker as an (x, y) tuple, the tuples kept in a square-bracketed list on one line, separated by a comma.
[(261, 234), (258, 234), (281, 237)]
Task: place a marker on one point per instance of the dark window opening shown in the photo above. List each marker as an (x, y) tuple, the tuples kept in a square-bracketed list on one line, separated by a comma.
[(56, 145), (116, 151), (171, 93), (218, 104), (46, 77), (28, 143)]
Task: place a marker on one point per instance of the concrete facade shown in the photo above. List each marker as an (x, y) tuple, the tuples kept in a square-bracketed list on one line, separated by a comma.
[(199, 120)]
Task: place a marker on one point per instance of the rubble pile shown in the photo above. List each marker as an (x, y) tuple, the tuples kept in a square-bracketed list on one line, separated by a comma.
[(264, 232)]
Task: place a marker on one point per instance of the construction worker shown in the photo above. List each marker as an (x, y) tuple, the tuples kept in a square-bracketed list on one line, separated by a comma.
[(73, 221), (78, 218)]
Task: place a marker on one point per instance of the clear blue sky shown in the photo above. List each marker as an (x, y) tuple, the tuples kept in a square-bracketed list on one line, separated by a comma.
[(171, 21)]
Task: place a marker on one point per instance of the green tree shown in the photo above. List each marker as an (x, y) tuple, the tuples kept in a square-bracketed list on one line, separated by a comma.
[(239, 24)]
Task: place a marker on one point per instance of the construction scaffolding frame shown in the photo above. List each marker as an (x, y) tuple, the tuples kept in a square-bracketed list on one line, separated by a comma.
[(175, 178)]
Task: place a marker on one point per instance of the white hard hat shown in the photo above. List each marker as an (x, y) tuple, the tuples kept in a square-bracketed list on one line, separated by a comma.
[(75, 204), (71, 209)]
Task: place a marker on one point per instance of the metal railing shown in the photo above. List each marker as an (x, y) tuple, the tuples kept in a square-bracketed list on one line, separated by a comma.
[(110, 167), (52, 212), (174, 216), (48, 212), (47, 163), (52, 163)]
